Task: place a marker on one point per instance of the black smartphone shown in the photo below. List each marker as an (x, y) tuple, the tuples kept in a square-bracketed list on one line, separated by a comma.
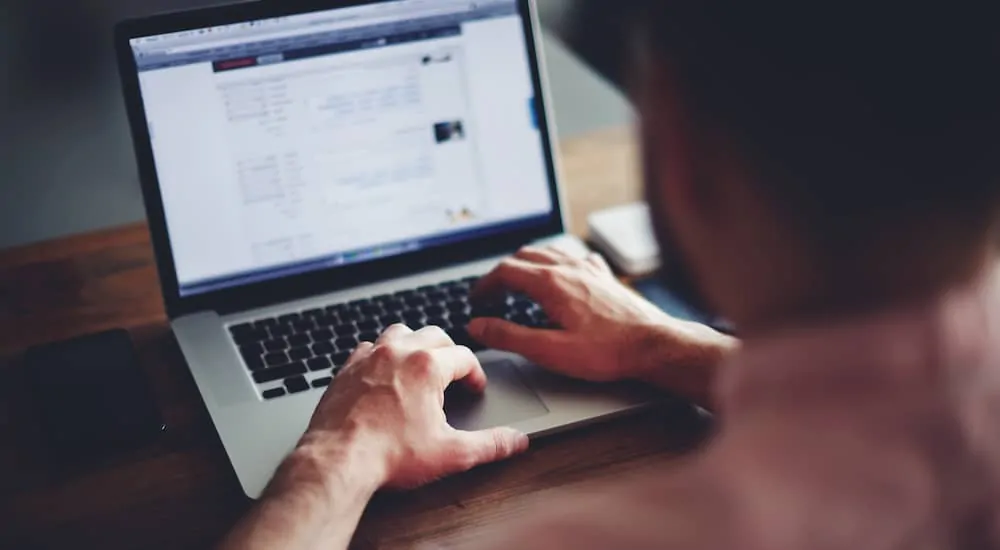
[(91, 396)]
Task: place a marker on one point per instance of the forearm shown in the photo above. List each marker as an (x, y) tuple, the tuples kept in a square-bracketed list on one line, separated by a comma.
[(316, 499), (685, 360)]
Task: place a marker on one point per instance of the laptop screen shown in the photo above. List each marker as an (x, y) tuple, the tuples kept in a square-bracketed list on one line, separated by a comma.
[(294, 144)]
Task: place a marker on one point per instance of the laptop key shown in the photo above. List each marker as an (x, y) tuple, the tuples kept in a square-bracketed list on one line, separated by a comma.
[(340, 359), (370, 324), (241, 329), (277, 344), (322, 335), (280, 330), (372, 310), (440, 322), (299, 340), (434, 311), (253, 335), (304, 325), (288, 319), (322, 382), (253, 361), (253, 348), (370, 336), (417, 325), (319, 363), (390, 319), (413, 316), (382, 298), (348, 329), (274, 393), (346, 343), (312, 313), (542, 320), (437, 296), (323, 348), (350, 315), (416, 301), (459, 320), (358, 303), (298, 354), (265, 323), (326, 321), (394, 306), (523, 305), (462, 338), (279, 373), (296, 384), (275, 358)]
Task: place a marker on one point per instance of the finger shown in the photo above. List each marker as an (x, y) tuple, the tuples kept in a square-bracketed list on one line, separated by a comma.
[(515, 275), (543, 256), (598, 261), (459, 364), (428, 338), (393, 333), (553, 349), (471, 449)]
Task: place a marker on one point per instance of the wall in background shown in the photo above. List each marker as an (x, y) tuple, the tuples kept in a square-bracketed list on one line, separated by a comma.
[(66, 160)]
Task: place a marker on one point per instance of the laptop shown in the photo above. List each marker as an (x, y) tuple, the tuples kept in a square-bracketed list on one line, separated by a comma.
[(315, 172)]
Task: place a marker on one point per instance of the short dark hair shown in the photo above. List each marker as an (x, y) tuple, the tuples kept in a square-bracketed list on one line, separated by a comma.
[(851, 110)]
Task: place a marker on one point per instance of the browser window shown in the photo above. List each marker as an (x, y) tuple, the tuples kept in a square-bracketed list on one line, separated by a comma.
[(301, 143)]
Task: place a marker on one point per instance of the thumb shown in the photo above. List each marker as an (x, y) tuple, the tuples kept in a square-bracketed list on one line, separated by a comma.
[(476, 448)]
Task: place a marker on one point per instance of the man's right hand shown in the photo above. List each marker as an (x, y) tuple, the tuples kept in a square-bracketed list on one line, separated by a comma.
[(607, 331)]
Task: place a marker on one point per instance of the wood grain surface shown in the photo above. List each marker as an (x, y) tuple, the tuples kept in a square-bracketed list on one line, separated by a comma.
[(180, 491)]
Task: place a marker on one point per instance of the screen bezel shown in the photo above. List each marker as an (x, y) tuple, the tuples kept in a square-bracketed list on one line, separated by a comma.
[(321, 281)]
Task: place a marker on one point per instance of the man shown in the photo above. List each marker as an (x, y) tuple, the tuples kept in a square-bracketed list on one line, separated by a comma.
[(827, 175)]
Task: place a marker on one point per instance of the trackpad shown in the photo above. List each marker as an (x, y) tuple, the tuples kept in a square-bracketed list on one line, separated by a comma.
[(507, 400)]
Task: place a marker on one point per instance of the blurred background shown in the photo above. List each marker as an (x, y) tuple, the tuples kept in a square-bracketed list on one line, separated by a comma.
[(66, 159)]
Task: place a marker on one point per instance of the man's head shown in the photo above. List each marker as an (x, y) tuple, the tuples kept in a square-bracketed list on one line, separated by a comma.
[(802, 156)]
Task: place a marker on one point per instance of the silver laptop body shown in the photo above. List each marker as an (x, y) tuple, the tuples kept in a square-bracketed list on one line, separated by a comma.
[(311, 174)]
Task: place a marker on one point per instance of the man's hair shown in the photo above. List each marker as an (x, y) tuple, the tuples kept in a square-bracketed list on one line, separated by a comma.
[(852, 112)]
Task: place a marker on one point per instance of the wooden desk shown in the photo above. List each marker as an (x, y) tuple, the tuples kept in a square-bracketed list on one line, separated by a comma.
[(181, 491)]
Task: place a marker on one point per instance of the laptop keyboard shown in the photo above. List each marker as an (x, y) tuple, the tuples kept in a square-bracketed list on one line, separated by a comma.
[(302, 351)]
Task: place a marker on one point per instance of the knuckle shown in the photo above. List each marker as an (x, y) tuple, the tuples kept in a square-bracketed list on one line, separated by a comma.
[(436, 332), (385, 353), (422, 363), (507, 265)]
